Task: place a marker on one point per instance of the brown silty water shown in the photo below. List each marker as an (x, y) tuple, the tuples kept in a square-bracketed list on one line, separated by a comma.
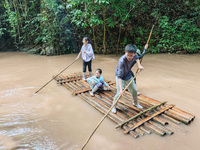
[(54, 119)]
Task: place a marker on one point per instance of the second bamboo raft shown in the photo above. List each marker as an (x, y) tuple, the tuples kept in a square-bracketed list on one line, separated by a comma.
[(153, 118)]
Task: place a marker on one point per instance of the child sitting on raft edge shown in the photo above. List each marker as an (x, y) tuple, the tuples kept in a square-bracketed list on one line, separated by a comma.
[(97, 82)]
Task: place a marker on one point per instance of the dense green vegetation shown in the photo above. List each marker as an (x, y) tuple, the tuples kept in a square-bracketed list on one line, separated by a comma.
[(58, 26)]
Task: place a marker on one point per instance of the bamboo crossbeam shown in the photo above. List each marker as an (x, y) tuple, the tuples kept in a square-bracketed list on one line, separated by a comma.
[(82, 91), (148, 118), (152, 127), (139, 114)]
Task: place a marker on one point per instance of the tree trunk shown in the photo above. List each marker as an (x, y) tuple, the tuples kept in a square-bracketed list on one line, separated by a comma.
[(118, 40), (94, 38), (104, 33)]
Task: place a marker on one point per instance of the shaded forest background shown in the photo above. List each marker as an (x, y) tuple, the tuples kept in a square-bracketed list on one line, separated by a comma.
[(54, 27)]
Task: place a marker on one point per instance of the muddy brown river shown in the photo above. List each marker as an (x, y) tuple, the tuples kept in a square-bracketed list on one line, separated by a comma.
[(54, 119)]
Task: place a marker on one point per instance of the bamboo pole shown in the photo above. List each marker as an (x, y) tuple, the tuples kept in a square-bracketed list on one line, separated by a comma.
[(56, 76), (147, 43)]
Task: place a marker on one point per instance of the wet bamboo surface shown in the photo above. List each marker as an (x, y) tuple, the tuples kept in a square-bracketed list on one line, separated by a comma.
[(154, 116)]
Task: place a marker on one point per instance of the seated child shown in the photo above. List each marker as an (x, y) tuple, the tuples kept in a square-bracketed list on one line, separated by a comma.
[(97, 82)]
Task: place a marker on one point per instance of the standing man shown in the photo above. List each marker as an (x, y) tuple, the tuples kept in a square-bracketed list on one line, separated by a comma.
[(124, 74)]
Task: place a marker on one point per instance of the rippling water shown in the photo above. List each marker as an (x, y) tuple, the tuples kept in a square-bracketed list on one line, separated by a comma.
[(54, 119)]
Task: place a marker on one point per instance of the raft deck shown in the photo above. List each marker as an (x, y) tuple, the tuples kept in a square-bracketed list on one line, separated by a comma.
[(154, 116)]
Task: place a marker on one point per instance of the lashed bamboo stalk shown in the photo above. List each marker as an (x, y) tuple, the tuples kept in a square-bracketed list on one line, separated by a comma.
[(181, 114), (145, 130), (162, 128), (133, 122), (150, 126), (177, 117), (171, 119), (160, 120), (185, 113), (153, 128)]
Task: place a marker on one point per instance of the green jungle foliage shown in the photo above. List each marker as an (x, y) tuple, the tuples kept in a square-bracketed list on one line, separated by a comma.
[(57, 27)]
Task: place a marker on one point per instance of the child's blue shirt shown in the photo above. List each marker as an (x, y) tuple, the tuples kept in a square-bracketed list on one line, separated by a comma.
[(96, 80)]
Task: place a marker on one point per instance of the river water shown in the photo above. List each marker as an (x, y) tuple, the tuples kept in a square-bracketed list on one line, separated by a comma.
[(54, 119)]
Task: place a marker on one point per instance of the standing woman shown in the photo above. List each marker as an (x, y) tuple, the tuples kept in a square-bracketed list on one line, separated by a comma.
[(87, 56)]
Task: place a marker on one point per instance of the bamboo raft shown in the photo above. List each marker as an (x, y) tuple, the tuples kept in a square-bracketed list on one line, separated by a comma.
[(154, 116)]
